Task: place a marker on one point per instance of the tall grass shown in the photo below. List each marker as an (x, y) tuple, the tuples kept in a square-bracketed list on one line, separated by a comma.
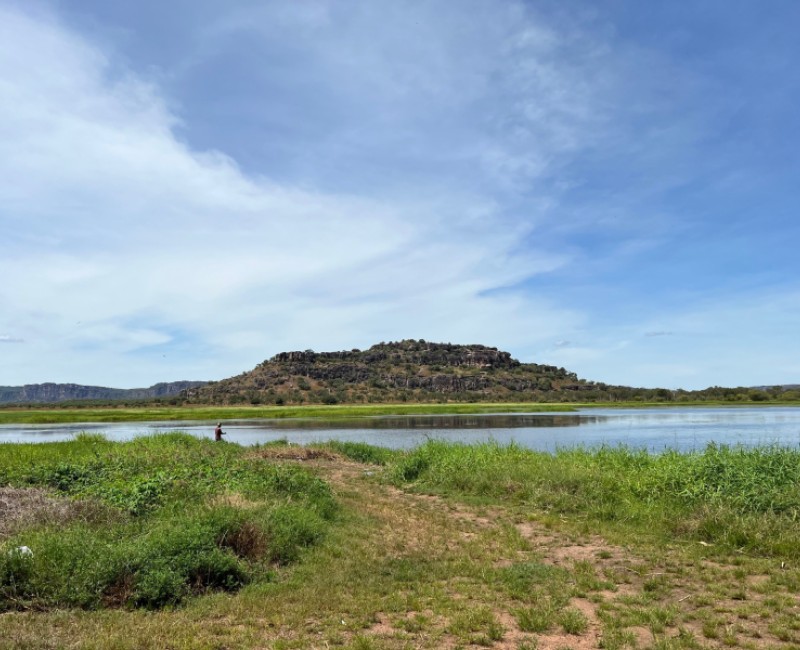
[(736, 497), (362, 452), (179, 516)]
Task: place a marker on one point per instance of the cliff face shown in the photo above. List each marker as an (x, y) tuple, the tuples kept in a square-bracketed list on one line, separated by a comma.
[(414, 352), (388, 372), (52, 393)]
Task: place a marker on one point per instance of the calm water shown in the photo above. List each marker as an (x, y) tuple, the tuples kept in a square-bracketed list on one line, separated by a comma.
[(653, 429)]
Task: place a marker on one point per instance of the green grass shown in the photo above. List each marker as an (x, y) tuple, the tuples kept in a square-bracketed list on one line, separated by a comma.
[(737, 498), (55, 415), (573, 621), (574, 549), (476, 625), (174, 516), (362, 452)]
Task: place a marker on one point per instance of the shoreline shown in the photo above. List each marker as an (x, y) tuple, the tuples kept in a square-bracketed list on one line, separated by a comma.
[(50, 414)]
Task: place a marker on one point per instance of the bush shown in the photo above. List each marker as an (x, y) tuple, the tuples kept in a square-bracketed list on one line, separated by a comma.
[(290, 529), (160, 565), (178, 530)]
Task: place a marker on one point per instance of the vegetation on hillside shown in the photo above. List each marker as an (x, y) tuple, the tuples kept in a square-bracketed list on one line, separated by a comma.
[(406, 371), (420, 371)]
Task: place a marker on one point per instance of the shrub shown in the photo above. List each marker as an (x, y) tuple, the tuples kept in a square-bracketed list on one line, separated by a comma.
[(290, 529), (172, 536)]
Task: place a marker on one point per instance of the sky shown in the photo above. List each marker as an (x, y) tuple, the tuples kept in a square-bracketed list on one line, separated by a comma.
[(188, 188)]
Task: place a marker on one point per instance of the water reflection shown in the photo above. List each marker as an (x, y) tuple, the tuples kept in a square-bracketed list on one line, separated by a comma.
[(652, 429), (477, 421)]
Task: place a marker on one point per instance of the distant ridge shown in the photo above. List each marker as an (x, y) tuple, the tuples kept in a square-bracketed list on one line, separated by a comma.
[(409, 370), (49, 393), (778, 386)]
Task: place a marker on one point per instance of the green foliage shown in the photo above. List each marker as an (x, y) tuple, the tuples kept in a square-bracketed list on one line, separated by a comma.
[(531, 580), (290, 528), (174, 534), (362, 452), (477, 625), (539, 618), (764, 479), (127, 564), (740, 498), (547, 587), (573, 621)]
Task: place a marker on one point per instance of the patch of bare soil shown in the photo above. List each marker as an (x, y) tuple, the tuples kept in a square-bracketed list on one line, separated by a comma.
[(295, 453), (235, 500), (625, 583), (21, 507), (382, 625)]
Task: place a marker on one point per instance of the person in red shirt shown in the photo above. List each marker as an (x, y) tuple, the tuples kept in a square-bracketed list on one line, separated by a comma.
[(218, 432)]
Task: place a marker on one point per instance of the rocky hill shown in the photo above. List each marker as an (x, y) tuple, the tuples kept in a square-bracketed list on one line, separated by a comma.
[(410, 370), (51, 393)]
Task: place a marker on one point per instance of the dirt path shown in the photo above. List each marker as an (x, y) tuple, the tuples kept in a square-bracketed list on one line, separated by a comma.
[(403, 570), (620, 598)]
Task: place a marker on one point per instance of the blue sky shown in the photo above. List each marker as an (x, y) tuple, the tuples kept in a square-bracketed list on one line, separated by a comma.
[(188, 188)]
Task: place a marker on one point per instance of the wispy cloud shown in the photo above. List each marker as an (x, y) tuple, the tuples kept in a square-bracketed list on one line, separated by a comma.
[(7, 338), (504, 173), (114, 217)]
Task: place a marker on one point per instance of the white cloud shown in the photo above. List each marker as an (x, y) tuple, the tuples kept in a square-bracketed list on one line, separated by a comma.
[(132, 257), (477, 92), (126, 241)]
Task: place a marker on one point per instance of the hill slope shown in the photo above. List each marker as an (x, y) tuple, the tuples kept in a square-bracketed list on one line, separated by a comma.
[(414, 371)]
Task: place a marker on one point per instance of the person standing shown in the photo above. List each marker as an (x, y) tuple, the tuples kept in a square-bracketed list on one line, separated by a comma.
[(218, 432)]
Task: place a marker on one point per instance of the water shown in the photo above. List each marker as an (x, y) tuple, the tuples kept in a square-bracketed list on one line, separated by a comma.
[(682, 429)]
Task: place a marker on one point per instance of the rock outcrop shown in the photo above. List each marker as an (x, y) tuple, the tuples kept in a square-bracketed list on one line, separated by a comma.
[(407, 370)]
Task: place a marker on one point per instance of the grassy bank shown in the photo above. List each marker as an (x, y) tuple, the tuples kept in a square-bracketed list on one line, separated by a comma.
[(443, 546), (55, 415), (736, 498), (149, 522), (73, 414)]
